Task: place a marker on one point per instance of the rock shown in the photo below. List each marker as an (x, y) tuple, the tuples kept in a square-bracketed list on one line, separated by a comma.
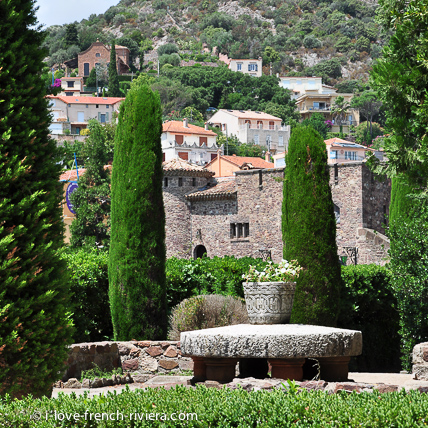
[(131, 364), (144, 344), (107, 382), (168, 364), (154, 351), (171, 352), (72, 383), (97, 383), (86, 383), (185, 364), (148, 365), (141, 378)]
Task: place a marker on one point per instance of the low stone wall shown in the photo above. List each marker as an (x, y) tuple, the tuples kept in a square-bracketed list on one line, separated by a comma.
[(142, 359), (420, 361)]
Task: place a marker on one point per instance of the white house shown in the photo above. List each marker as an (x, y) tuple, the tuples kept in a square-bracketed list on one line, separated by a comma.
[(182, 140), (253, 127), (71, 86), (253, 67), (302, 85)]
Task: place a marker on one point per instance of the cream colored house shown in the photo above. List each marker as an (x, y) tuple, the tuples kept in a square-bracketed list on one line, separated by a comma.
[(342, 151), (253, 127), (253, 67), (302, 85), (73, 113), (226, 166), (192, 143), (71, 86)]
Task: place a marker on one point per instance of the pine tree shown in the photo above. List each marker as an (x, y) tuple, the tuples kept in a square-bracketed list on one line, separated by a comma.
[(137, 247), (309, 229), (71, 35), (91, 226), (113, 80), (34, 325)]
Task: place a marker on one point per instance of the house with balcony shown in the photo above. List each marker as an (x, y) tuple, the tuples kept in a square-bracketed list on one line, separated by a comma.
[(253, 67), (342, 151), (299, 86), (312, 101), (253, 127), (71, 86), (195, 144), (73, 113)]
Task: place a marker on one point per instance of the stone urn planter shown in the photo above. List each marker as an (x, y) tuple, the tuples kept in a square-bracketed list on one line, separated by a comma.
[(269, 302)]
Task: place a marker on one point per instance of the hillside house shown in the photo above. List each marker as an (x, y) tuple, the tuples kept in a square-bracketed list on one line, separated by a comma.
[(74, 113), (226, 166), (252, 67), (180, 139), (253, 127), (302, 85), (340, 151), (71, 86)]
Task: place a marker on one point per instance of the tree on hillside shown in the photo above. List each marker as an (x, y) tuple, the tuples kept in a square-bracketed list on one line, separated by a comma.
[(35, 327), (369, 106), (317, 121), (91, 226), (137, 247), (71, 37), (309, 229), (113, 80), (339, 109)]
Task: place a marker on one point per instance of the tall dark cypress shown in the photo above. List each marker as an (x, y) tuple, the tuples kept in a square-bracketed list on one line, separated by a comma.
[(113, 80), (309, 229), (137, 241), (34, 325)]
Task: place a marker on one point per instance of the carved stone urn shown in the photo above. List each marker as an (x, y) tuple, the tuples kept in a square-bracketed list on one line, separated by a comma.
[(269, 302)]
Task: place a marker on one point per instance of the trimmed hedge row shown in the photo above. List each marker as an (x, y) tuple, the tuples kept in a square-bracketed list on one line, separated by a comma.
[(210, 407)]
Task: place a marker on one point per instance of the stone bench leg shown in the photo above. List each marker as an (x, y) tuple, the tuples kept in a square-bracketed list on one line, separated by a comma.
[(199, 369), (287, 368), (220, 369), (334, 369)]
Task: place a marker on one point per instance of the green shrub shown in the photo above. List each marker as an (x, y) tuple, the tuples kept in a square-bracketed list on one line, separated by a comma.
[(88, 269), (219, 275), (211, 310), (219, 408), (368, 304)]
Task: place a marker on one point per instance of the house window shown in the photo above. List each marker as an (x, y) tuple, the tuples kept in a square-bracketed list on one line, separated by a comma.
[(252, 67), (107, 106), (333, 154), (97, 54), (239, 66), (69, 94), (96, 105), (239, 230), (271, 125), (280, 140), (180, 181), (87, 105), (351, 155), (203, 140), (248, 122), (179, 139), (259, 124), (165, 182), (86, 69), (70, 84), (80, 116), (103, 118), (193, 181)]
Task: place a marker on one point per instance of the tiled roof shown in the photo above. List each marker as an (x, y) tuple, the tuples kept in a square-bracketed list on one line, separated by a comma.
[(255, 162), (338, 142), (182, 167), (87, 100), (71, 175), (176, 126), (220, 189), (248, 114)]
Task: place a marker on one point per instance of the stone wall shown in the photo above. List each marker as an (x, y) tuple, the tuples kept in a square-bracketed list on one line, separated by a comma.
[(143, 359)]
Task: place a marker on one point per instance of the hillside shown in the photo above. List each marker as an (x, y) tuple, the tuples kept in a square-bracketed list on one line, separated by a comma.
[(336, 40)]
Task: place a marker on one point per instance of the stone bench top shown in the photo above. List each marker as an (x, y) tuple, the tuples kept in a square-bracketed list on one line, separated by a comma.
[(271, 341)]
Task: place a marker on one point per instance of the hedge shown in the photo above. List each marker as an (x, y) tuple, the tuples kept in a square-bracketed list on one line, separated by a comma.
[(210, 407)]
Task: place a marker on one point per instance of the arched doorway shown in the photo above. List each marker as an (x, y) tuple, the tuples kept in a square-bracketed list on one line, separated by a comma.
[(199, 252)]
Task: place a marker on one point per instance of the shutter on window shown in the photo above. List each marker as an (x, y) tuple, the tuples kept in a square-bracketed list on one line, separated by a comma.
[(107, 117)]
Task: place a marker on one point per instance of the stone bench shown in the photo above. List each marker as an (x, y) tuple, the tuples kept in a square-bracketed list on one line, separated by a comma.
[(286, 347)]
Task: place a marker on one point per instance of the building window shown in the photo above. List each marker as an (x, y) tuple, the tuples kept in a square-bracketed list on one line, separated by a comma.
[(96, 105), (333, 154), (247, 122), (193, 181), (351, 155), (103, 118), (107, 106), (69, 94), (180, 181), (239, 230), (252, 67), (239, 66), (280, 140), (271, 125), (97, 54), (87, 105), (259, 124), (165, 182), (70, 84), (86, 69)]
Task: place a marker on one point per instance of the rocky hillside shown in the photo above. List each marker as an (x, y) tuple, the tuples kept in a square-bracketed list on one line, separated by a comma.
[(337, 40)]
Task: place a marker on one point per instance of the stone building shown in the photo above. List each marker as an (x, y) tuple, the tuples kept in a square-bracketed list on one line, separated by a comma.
[(241, 215)]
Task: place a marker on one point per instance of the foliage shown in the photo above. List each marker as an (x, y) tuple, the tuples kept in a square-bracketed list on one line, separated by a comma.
[(172, 59), (113, 81), (409, 267), (201, 407), (167, 49), (137, 250), (88, 271), (209, 311), (327, 68), (192, 114), (91, 226), (219, 275), (362, 132), (309, 229), (71, 37), (339, 109), (401, 204), (369, 106), (98, 372), (318, 122), (401, 86), (35, 327), (284, 271), (368, 304)]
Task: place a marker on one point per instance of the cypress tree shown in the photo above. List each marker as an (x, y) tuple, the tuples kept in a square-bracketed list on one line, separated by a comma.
[(400, 205), (91, 226), (309, 229), (34, 325), (137, 244), (113, 80)]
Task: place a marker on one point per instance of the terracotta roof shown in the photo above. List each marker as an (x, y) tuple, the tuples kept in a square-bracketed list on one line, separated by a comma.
[(176, 126), (255, 162), (87, 100), (71, 175), (220, 189), (250, 114), (180, 166), (338, 142)]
